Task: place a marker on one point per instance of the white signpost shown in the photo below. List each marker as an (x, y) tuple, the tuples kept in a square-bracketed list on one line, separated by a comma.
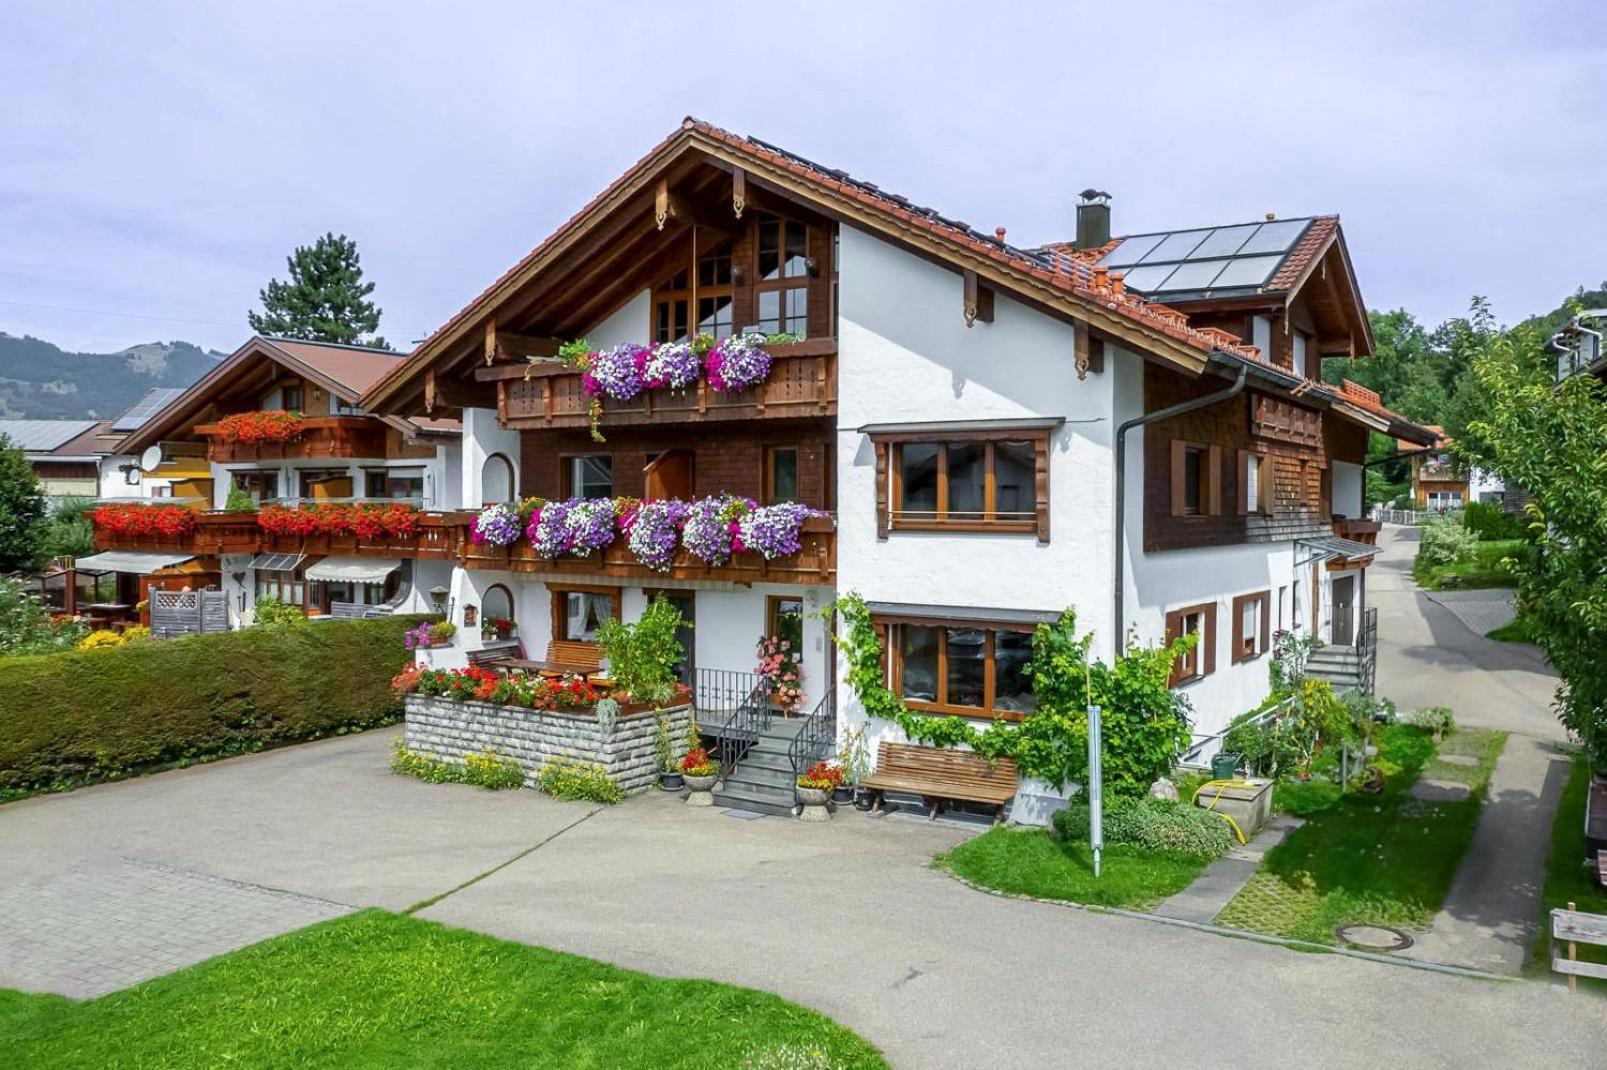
[(1096, 789)]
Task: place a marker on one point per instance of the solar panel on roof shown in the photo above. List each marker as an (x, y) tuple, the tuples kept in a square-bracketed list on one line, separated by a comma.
[(1223, 241), (1247, 271), (1176, 246), (1132, 250), (1275, 237), (153, 402), (1149, 277), (1194, 275)]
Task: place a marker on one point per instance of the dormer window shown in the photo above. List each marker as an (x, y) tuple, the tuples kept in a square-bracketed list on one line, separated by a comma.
[(289, 398), (672, 299), (782, 289)]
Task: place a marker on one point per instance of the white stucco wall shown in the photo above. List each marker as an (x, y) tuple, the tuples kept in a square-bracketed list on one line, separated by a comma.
[(1349, 481), (629, 322), (482, 437)]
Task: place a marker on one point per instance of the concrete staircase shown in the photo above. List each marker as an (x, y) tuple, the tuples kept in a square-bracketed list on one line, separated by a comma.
[(763, 780), (1339, 665)]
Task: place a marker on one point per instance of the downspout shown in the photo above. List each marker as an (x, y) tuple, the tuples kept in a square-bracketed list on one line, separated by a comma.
[(1121, 478)]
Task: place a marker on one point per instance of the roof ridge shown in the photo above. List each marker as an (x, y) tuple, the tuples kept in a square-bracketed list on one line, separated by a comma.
[(398, 354)]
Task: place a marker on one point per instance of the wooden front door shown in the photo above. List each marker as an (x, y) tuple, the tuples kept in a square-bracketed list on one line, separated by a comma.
[(1344, 610)]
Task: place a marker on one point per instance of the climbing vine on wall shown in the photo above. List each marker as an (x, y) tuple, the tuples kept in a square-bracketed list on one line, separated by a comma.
[(1145, 723)]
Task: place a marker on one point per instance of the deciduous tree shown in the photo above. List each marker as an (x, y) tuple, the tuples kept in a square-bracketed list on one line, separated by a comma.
[(22, 506)]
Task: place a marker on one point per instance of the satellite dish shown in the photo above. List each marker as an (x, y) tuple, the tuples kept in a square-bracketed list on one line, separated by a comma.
[(151, 458)]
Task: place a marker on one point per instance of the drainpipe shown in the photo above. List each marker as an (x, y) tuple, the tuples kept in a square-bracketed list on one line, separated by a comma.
[(1121, 477)]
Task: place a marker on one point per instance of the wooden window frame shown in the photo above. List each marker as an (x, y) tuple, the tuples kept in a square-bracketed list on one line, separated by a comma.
[(668, 293), (889, 630), (300, 397), (1262, 506), (1210, 479), (1249, 647), (513, 605), (1201, 661), (566, 471), (772, 608), (560, 599), (768, 477), (890, 484)]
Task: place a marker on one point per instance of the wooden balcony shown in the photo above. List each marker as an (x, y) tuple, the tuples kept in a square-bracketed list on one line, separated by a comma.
[(321, 436), (814, 563), (803, 382), (1363, 531), (440, 537)]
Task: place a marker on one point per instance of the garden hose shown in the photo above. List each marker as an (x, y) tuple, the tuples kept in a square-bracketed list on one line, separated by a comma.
[(1221, 786)]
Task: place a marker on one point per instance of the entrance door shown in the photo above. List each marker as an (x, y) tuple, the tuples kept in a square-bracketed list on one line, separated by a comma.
[(1344, 629)]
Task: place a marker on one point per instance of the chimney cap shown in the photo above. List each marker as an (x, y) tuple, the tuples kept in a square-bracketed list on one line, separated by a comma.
[(1097, 196)]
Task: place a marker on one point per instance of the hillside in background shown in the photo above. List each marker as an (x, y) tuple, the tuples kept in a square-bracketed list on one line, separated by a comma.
[(39, 381)]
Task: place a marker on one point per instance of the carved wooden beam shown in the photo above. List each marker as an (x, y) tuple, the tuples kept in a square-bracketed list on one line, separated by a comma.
[(506, 346), (665, 206), (978, 300), (1088, 351), (429, 391), (739, 191)]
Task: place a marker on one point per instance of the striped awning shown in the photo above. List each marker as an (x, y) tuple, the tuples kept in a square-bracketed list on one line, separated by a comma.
[(276, 562), (140, 562), (354, 569)]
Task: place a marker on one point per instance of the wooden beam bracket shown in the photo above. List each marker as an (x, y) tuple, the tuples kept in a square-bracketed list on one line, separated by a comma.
[(739, 191), (978, 300)]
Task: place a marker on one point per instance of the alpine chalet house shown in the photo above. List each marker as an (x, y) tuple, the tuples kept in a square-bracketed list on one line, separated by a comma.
[(982, 434), (278, 422)]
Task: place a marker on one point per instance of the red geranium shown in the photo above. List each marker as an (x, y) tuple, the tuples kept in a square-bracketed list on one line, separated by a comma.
[(822, 775), (336, 518), (698, 762), (169, 521), (274, 425)]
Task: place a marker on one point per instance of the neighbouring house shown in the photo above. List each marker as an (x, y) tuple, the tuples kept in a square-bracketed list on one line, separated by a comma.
[(980, 435), (1441, 481), (1578, 346), (279, 423)]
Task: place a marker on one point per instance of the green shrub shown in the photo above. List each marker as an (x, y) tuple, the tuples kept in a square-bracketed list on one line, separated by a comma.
[(642, 655), (572, 779), (26, 625), (1488, 520), (1153, 824), (1446, 542), (1303, 798), (1435, 719), (269, 612), (75, 717)]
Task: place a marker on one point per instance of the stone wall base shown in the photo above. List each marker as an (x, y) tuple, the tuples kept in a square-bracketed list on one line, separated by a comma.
[(452, 731)]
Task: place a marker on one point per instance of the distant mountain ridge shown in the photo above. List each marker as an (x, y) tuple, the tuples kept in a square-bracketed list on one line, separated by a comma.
[(41, 381)]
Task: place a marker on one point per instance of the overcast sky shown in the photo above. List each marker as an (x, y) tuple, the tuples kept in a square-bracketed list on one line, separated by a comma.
[(158, 161)]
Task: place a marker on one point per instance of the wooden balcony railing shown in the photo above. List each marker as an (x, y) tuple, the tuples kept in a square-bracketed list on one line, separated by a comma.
[(445, 537), (815, 562), (321, 436), (803, 382), (1363, 531)]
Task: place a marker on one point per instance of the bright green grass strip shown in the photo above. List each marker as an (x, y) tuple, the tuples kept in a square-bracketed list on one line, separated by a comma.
[(381, 990), (1485, 570), (1031, 862), (1385, 859), (1567, 880), (1518, 630)]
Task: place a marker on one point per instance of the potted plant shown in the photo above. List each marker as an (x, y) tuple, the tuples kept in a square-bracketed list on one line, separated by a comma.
[(783, 667), (814, 790), (669, 771), (429, 634), (497, 628), (854, 757), (700, 773)]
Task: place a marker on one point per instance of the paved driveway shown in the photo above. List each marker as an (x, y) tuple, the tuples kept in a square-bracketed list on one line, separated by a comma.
[(844, 917)]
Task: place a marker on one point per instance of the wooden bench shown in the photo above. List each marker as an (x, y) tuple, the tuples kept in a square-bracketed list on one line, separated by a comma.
[(565, 657), (497, 657), (1574, 927), (936, 774)]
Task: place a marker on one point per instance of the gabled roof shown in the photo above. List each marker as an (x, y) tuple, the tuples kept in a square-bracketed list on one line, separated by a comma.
[(43, 436), (345, 371), (1063, 282), (155, 399)]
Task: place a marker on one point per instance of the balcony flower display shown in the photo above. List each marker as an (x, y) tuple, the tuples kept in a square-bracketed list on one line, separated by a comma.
[(712, 531), (429, 634), (592, 524), (498, 525), (654, 531), (671, 364), (616, 372), (167, 521), (548, 530), (274, 425), (399, 521), (775, 530), (738, 362)]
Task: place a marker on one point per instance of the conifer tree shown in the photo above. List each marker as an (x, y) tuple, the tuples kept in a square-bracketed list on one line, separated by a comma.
[(325, 299)]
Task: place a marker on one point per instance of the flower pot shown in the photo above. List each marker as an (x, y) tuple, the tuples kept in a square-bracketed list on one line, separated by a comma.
[(864, 799), (702, 789), (842, 794), (814, 802), (669, 781)]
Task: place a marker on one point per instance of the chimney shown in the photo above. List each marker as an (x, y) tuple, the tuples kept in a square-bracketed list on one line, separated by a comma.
[(1093, 219)]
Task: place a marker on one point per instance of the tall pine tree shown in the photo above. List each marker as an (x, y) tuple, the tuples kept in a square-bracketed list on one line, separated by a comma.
[(326, 299)]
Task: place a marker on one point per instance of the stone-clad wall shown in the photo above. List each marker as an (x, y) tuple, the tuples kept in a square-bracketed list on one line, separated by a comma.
[(454, 730)]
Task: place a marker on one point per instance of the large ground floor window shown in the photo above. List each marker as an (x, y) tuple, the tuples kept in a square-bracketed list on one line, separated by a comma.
[(577, 612), (974, 669)]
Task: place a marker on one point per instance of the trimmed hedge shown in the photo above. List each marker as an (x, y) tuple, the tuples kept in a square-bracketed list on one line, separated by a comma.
[(73, 718), (1161, 825)]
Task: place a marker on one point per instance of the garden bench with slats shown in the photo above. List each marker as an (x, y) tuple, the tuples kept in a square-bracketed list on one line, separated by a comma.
[(938, 774)]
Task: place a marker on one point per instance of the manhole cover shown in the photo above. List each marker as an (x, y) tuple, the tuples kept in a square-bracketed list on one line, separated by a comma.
[(1373, 937)]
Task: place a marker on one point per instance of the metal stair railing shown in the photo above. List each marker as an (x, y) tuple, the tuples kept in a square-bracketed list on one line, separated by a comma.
[(816, 734), (1367, 651), (735, 707)]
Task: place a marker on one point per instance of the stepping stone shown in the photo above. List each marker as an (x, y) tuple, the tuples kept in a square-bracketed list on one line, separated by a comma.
[(1459, 759), (1439, 791)]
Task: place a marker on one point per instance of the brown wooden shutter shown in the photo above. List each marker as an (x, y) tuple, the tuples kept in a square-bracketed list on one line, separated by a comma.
[(881, 489), (1174, 628), (669, 475), (1179, 491), (1236, 652), (1266, 623), (1040, 454), (1208, 637), (1212, 481), (1264, 485)]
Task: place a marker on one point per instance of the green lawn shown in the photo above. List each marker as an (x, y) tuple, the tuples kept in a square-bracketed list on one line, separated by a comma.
[(1483, 571), (1032, 862), (1519, 630), (1387, 859), (1566, 878), (382, 990)]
